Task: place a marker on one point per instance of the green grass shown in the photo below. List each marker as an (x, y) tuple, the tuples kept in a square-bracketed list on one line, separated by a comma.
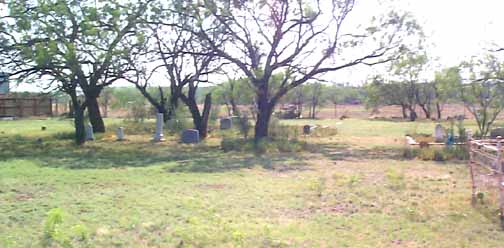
[(355, 191)]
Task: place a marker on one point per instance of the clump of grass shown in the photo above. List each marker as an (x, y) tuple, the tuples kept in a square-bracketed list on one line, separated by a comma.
[(56, 234), (353, 180), (396, 179), (318, 186)]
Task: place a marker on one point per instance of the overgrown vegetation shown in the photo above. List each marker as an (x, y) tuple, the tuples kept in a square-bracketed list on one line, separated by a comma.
[(199, 195)]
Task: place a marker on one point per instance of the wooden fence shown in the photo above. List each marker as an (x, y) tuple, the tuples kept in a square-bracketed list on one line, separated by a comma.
[(486, 165), (25, 106)]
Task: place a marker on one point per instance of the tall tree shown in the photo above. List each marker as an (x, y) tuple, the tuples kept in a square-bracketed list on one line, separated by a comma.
[(301, 39), (446, 86), (317, 97), (186, 62), (483, 94), (407, 72), (74, 44)]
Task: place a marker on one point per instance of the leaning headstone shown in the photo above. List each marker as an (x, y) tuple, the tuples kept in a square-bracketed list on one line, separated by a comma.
[(497, 132), (190, 136), (158, 136), (308, 129), (439, 133), (89, 132), (120, 134), (226, 123)]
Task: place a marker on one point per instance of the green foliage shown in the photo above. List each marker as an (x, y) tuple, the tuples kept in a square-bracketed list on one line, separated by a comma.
[(484, 95), (55, 233), (410, 153), (396, 179), (280, 131), (438, 154)]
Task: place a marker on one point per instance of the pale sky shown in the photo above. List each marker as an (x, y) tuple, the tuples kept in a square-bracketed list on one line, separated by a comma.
[(456, 30)]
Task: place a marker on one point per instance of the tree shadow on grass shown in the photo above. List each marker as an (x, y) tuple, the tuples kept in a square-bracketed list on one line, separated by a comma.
[(226, 162), (344, 152), (199, 159)]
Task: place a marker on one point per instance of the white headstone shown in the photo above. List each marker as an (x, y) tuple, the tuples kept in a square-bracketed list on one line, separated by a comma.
[(439, 133), (158, 136), (120, 133), (89, 132)]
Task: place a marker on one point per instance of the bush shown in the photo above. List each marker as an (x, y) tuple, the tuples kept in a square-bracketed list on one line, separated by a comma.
[(437, 154), (244, 125), (279, 131), (138, 112), (426, 154), (410, 153), (440, 155)]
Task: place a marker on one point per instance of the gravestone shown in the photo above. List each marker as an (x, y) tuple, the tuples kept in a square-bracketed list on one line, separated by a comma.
[(89, 132), (469, 134), (120, 134), (226, 123), (308, 129), (439, 133), (158, 136), (190, 136), (497, 132)]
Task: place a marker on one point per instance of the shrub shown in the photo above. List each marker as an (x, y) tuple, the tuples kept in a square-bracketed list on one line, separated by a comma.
[(244, 125), (410, 153), (426, 154), (279, 131), (440, 155), (138, 112), (54, 233)]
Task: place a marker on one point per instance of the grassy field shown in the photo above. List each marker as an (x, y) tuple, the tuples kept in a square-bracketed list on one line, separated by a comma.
[(355, 190)]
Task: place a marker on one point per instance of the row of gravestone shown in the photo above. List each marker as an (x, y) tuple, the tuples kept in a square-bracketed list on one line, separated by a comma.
[(189, 136), (440, 133)]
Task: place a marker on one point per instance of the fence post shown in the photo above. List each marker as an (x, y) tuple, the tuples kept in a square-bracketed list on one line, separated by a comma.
[(500, 177), (471, 169)]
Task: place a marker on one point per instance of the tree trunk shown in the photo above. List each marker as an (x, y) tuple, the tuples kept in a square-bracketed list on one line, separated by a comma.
[(314, 109), (234, 107), (203, 127), (94, 114), (80, 132), (404, 113), (426, 110), (200, 120), (264, 111), (413, 115), (78, 115), (438, 109)]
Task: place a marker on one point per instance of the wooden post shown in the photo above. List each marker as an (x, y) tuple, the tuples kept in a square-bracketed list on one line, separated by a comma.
[(50, 107), (500, 177), (19, 105), (35, 106), (471, 170)]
